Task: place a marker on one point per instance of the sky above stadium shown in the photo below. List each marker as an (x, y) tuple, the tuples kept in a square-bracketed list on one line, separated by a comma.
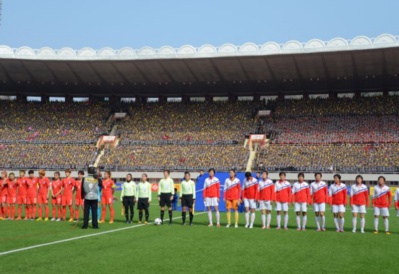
[(120, 23)]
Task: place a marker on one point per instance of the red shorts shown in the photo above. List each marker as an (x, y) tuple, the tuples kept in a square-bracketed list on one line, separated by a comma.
[(11, 199), (3, 199), (79, 202), (57, 200), (42, 200), (31, 201), (66, 201), (21, 200), (107, 200)]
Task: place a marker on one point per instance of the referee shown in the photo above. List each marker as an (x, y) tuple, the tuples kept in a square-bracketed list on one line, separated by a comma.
[(144, 198), (90, 192), (187, 197), (128, 197), (166, 190)]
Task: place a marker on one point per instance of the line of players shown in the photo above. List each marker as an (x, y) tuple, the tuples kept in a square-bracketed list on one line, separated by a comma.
[(32, 194), (265, 194)]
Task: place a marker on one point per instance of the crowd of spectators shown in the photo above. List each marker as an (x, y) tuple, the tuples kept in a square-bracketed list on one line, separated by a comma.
[(175, 157)]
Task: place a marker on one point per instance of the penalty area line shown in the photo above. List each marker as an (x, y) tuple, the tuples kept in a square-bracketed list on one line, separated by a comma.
[(80, 237)]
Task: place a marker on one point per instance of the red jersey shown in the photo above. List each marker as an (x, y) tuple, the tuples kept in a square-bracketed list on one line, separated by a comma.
[(78, 189), (56, 186), (319, 192), (250, 189), (211, 188), (382, 197), (31, 184), (359, 195), (3, 187), (12, 186), (338, 194), (22, 186), (108, 186), (232, 189), (283, 192), (68, 184), (266, 190), (44, 184), (301, 193)]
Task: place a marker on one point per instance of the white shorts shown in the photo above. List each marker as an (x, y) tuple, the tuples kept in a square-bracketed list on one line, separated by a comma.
[(359, 209), (303, 207), (265, 205), (250, 203), (281, 206), (211, 201), (381, 211), (338, 208), (319, 207)]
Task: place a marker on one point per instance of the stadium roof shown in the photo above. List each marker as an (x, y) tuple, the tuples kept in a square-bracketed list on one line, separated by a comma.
[(339, 65)]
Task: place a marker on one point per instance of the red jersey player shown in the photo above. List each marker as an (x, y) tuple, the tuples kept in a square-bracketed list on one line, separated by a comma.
[(12, 187), (21, 196), (232, 195), (42, 198), (283, 197), (108, 188), (382, 199), (249, 193), (319, 194), (3, 195), (359, 201), (78, 195), (68, 184), (56, 197), (338, 201), (211, 194), (31, 194), (301, 197), (265, 197)]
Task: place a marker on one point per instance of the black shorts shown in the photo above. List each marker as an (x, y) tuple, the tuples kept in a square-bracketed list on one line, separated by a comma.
[(128, 201), (142, 203), (164, 199), (187, 200)]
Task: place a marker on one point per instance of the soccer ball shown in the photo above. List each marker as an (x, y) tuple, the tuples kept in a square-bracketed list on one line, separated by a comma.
[(157, 221)]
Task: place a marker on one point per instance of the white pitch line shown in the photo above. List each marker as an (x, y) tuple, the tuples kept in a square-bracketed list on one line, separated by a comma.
[(80, 237)]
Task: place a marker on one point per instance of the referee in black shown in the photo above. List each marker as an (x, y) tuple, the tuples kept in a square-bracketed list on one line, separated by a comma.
[(90, 191), (187, 197)]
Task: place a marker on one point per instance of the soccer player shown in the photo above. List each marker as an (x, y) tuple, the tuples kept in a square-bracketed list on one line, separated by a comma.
[(249, 192), (166, 190), (143, 198), (56, 197), (3, 195), (31, 194), (301, 198), (283, 197), (338, 201), (319, 194), (78, 194), (128, 197), (211, 194), (107, 199), (187, 197), (359, 200), (265, 197), (12, 186), (232, 197), (21, 196), (397, 202), (68, 184), (44, 190), (381, 201)]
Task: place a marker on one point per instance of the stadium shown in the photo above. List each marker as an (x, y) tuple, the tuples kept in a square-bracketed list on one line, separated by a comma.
[(328, 107)]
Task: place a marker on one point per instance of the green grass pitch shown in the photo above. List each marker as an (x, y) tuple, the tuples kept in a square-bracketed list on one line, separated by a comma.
[(198, 249)]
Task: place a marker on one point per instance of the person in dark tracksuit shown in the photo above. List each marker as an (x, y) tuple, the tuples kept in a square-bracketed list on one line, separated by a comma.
[(90, 190)]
